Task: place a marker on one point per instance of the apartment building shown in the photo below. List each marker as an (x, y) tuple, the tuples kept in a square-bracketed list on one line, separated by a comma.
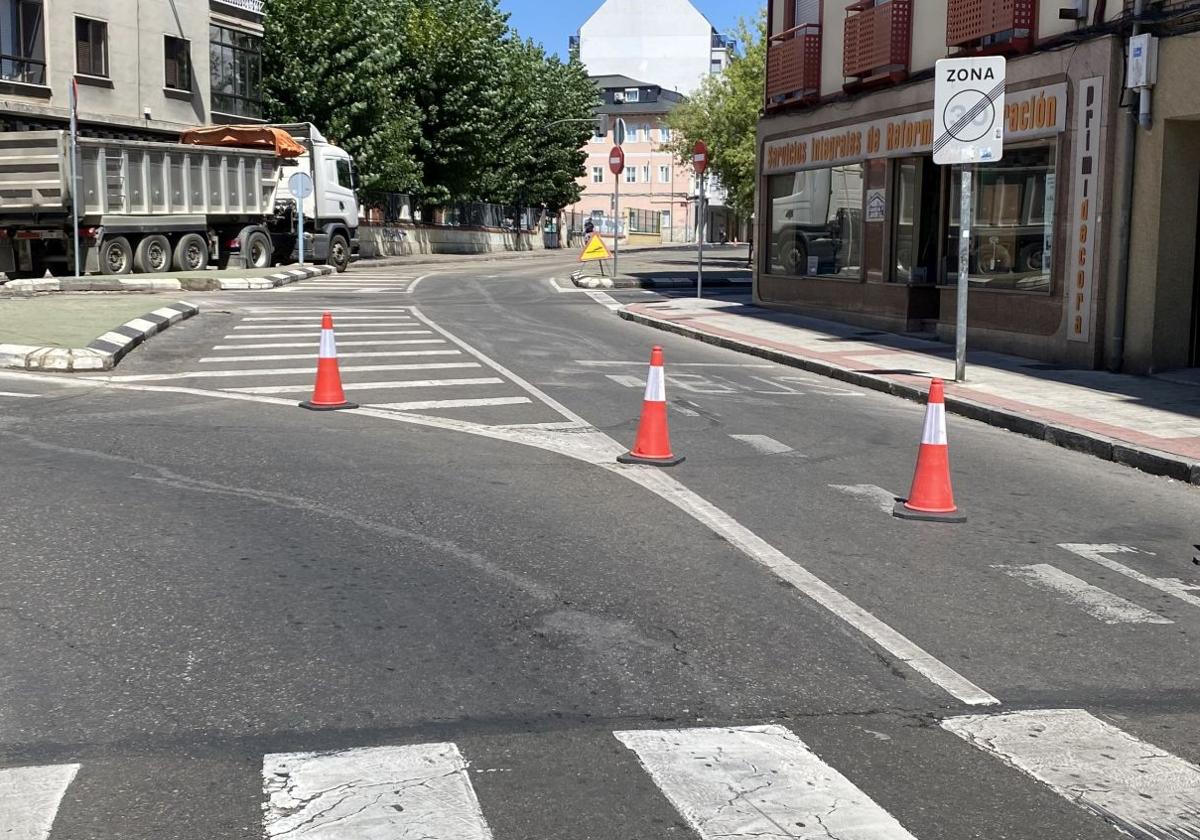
[(1084, 246), (143, 68)]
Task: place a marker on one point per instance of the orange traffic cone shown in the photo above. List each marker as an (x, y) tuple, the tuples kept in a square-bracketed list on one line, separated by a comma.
[(653, 444), (327, 391), (931, 496)]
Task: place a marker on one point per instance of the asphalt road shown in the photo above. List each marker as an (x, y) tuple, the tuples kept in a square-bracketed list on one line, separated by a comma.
[(470, 622)]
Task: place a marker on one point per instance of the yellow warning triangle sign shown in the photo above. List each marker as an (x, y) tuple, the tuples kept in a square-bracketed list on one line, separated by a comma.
[(595, 250)]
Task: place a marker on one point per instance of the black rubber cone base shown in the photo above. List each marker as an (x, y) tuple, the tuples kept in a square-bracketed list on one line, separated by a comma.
[(908, 513), (630, 458), (311, 406)]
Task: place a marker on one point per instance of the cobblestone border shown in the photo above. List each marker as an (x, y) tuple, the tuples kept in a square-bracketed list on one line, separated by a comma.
[(216, 282)]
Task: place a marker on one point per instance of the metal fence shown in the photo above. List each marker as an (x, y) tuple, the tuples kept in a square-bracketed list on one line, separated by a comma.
[(390, 208), (645, 221)]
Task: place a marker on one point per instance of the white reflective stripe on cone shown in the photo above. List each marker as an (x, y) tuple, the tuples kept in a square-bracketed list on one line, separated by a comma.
[(328, 345), (935, 424), (656, 389)]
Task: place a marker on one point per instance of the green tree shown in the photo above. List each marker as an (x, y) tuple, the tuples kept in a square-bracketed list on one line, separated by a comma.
[(336, 63), (724, 114)]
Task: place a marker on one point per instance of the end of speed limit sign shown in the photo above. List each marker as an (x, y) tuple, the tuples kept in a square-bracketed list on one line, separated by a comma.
[(968, 110)]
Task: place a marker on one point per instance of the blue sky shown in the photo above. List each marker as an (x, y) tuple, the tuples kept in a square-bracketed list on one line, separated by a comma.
[(552, 21)]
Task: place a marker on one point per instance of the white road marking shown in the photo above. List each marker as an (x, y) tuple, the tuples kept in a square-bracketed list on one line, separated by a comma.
[(885, 500), (1096, 602), (600, 363), (1146, 791), (605, 299), (316, 333), (417, 282), (474, 403), (319, 310), (308, 318), (686, 412), (372, 386), (16, 394), (765, 445), (340, 343), (29, 799), (397, 321), (1172, 586), (757, 782), (282, 358), (627, 381), (209, 374), (373, 793)]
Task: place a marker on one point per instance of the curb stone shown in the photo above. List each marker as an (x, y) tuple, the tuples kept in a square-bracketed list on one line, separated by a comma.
[(157, 284), (104, 352), (1144, 458), (658, 282)]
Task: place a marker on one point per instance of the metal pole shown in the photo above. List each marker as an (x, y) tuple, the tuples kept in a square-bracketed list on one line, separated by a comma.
[(700, 241), (300, 228), (75, 171), (616, 222), (964, 262)]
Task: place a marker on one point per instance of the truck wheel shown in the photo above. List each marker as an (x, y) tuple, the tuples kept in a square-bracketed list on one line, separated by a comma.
[(339, 253), (258, 250), (793, 253), (191, 253), (153, 254), (116, 257)]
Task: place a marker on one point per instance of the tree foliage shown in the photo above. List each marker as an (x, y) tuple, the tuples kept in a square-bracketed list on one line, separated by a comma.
[(439, 98), (724, 114)]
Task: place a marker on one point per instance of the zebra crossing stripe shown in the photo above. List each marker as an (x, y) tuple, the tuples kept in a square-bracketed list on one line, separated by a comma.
[(374, 793), (317, 332), (29, 799), (1142, 789), (1096, 602), (372, 386), (295, 356), (757, 781), (210, 374), (308, 344), (399, 321)]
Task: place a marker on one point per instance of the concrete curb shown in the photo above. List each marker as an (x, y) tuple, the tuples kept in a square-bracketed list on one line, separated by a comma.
[(286, 274), (1146, 459), (592, 282), (101, 354)]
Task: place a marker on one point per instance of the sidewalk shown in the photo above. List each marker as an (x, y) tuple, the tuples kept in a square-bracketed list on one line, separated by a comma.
[(1151, 423)]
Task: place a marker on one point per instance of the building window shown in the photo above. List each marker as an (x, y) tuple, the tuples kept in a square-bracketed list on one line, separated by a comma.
[(631, 134), (664, 134), (632, 94), (1012, 232), (717, 65), (178, 57), (646, 174), (816, 222), (23, 52), (236, 60), (664, 174), (91, 47), (631, 175), (597, 174), (666, 219)]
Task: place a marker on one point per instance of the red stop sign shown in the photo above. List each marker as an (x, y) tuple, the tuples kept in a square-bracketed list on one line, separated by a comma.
[(700, 157), (616, 160)]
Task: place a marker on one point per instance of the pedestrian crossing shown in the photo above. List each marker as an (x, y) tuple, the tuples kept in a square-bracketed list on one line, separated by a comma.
[(725, 783), (391, 358), (358, 281)]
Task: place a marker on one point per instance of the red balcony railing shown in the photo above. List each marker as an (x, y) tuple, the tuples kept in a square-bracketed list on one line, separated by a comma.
[(991, 26), (878, 40), (794, 66)]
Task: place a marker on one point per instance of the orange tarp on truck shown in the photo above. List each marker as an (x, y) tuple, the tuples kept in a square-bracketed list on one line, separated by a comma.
[(246, 137)]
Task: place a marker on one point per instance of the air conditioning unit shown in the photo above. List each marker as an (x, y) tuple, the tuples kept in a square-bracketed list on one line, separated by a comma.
[(1074, 10), (619, 97)]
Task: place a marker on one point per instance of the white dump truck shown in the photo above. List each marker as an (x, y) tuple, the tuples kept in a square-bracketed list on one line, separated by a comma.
[(219, 196)]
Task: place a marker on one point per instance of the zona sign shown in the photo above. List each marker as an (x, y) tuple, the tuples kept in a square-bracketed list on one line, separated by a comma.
[(968, 110)]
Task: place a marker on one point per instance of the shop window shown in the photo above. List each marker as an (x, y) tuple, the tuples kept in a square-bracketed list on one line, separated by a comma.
[(915, 228), (816, 219), (1012, 233)]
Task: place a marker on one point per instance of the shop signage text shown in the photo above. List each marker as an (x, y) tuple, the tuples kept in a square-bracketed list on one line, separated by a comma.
[(1040, 112), (1081, 263)]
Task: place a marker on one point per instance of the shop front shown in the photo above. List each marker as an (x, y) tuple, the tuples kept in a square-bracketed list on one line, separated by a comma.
[(860, 225)]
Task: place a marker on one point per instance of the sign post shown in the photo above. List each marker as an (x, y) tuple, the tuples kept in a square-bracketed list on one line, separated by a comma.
[(616, 163), (301, 187), (968, 128), (700, 163), (76, 185)]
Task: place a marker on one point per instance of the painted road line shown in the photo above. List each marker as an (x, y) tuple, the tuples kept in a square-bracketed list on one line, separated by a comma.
[(373, 793), (1096, 602), (765, 445), (308, 318), (627, 381), (283, 358), (1172, 586), (16, 394), (475, 403), (29, 799), (320, 310), (599, 363), (397, 321), (340, 343), (757, 782), (365, 386), (417, 282), (605, 299), (316, 333), (885, 500), (1143, 789), (210, 374)]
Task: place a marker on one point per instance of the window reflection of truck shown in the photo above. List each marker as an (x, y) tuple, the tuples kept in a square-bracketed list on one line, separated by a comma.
[(821, 218)]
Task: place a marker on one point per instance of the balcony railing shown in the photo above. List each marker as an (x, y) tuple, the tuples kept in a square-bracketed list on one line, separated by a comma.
[(20, 68), (878, 40), (794, 66), (991, 26)]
